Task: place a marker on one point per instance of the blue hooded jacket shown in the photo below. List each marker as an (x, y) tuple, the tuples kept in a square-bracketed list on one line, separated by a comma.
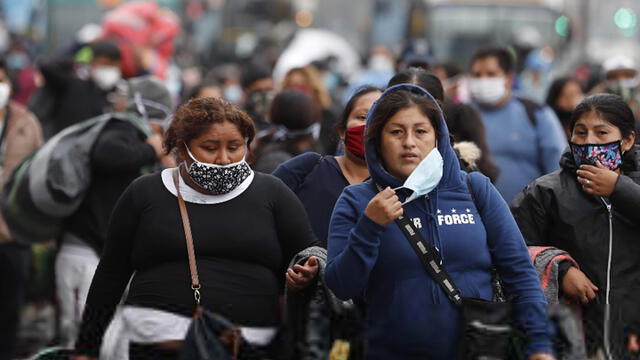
[(409, 315)]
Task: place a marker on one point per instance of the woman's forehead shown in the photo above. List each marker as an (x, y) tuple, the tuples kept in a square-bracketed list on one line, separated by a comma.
[(410, 116), (593, 119), (224, 130)]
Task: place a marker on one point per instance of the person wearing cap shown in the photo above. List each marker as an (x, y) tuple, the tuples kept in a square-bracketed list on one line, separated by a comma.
[(621, 78), (77, 97), (120, 154)]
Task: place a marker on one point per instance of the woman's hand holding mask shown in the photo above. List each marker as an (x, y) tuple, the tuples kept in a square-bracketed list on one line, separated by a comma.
[(384, 208), (597, 180)]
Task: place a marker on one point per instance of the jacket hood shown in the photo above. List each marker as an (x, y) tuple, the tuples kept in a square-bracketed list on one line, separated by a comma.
[(451, 171)]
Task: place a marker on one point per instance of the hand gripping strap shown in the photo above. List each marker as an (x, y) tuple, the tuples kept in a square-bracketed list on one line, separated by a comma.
[(429, 258)]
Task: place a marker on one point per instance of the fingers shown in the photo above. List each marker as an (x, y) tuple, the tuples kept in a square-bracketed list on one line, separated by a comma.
[(305, 271), (387, 193), (589, 293), (397, 213), (590, 168), (294, 280), (300, 275), (290, 282), (634, 345), (589, 185), (313, 261)]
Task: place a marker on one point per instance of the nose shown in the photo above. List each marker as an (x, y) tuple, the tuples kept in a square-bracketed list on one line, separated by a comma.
[(409, 140), (223, 157), (591, 138)]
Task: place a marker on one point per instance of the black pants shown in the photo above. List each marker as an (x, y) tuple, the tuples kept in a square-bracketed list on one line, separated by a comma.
[(15, 261), (149, 352)]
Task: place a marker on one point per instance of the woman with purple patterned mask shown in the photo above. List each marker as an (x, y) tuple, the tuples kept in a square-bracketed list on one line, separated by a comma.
[(588, 212), (598, 142)]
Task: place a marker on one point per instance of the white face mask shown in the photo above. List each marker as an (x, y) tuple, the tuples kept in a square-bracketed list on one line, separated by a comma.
[(425, 177), (5, 91), (488, 91), (106, 77), (233, 93), (626, 83), (380, 63)]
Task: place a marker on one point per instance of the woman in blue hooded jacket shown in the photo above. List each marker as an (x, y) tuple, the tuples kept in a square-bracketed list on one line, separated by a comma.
[(409, 315)]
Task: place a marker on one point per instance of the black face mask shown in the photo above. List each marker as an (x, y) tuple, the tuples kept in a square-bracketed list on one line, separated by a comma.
[(257, 105)]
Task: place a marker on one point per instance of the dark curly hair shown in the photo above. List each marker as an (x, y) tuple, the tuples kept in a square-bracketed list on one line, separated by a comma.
[(197, 115)]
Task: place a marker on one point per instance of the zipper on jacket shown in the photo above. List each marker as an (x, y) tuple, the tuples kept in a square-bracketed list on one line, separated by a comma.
[(607, 306)]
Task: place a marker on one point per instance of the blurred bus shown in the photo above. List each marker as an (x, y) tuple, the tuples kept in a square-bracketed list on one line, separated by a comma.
[(455, 29)]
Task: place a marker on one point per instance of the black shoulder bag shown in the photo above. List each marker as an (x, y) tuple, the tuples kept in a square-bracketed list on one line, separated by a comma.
[(488, 327)]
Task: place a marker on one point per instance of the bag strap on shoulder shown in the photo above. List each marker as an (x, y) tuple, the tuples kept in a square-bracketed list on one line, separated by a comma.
[(429, 258), (193, 268), (531, 108)]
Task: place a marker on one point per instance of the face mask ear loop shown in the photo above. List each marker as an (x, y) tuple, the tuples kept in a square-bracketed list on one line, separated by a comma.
[(155, 105), (190, 155), (137, 99)]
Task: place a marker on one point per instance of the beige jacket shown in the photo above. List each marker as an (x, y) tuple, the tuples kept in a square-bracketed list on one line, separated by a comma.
[(23, 137)]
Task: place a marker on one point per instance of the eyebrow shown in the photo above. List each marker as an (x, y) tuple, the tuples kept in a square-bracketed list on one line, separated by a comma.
[(599, 126), (218, 141), (416, 124)]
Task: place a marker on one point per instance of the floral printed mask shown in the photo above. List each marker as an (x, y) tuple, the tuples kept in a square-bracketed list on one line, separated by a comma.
[(609, 155), (218, 179)]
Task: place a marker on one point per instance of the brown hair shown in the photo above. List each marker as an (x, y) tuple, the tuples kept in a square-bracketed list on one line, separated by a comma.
[(197, 115), (393, 102), (313, 81)]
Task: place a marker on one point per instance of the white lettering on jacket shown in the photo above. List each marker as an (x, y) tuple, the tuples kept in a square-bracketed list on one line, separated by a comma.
[(456, 218)]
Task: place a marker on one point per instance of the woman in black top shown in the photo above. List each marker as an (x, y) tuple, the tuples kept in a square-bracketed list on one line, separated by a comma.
[(319, 180), (246, 227)]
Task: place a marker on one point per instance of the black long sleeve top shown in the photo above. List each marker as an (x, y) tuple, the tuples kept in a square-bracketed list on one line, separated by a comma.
[(117, 158), (75, 99), (242, 248)]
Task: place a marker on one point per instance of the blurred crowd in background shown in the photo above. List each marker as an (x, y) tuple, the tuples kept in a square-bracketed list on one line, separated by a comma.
[(293, 65)]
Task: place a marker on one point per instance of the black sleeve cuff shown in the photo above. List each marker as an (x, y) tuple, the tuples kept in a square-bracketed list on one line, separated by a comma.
[(563, 267)]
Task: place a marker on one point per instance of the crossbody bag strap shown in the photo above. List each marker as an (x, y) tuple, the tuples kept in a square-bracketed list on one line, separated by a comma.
[(193, 268), (429, 258)]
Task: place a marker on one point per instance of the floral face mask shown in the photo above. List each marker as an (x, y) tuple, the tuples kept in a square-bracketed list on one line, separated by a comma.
[(218, 179), (609, 155)]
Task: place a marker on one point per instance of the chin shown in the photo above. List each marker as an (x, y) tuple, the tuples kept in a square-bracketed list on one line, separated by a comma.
[(404, 173)]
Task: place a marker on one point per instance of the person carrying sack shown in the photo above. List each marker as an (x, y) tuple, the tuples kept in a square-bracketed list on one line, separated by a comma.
[(418, 178), (245, 227)]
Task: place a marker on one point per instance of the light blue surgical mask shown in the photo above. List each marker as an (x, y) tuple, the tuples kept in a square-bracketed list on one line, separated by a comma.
[(425, 177)]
